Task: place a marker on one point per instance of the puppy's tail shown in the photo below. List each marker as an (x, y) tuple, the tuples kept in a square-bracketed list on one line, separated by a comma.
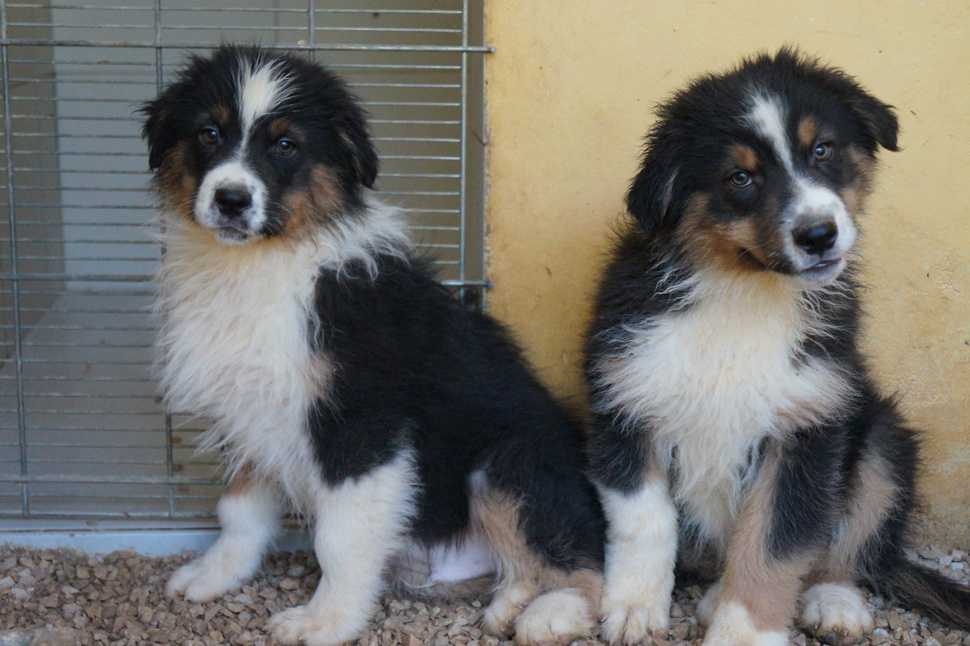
[(920, 588)]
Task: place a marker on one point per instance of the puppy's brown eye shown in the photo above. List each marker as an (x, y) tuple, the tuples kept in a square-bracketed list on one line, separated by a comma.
[(209, 135), (285, 147), (740, 179), (822, 151)]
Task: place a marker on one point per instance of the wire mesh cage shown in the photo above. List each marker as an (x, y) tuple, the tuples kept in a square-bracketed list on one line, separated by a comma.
[(82, 433)]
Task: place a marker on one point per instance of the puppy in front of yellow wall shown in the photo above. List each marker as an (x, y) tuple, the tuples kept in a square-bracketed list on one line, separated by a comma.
[(734, 419)]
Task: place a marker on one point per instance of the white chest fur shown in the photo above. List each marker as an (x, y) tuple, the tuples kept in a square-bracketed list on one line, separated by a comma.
[(713, 380), (233, 342)]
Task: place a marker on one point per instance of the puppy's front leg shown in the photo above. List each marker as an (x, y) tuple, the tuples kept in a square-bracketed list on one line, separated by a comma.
[(358, 526), (783, 524), (249, 514), (641, 540)]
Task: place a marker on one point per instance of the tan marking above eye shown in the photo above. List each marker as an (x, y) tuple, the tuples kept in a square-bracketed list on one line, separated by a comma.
[(221, 115), (278, 128), (807, 132), (745, 158)]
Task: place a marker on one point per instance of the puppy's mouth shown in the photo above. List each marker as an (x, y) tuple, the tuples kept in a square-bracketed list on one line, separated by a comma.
[(228, 229), (232, 231), (819, 274), (230, 235), (823, 272)]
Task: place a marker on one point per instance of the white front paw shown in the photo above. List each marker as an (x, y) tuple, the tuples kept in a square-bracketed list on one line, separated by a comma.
[(202, 580), (836, 610), (303, 625), (557, 617), (732, 626), (630, 621), (506, 605)]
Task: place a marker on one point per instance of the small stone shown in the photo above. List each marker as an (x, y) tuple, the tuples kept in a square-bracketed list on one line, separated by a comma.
[(6, 582), (411, 640), (680, 631), (289, 583), (895, 623), (54, 637), (211, 612), (50, 601), (14, 637), (70, 610)]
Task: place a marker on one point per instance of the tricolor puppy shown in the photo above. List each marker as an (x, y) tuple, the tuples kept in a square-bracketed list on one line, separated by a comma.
[(732, 412), (339, 376)]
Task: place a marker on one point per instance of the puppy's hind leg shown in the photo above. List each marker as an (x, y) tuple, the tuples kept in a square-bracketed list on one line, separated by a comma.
[(549, 544), (358, 525), (249, 514), (780, 532), (868, 535)]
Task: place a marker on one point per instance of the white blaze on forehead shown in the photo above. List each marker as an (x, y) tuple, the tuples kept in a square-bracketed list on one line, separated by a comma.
[(261, 90), (767, 117)]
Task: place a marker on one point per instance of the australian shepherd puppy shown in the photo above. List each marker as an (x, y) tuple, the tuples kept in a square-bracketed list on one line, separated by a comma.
[(732, 412), (338, 375)]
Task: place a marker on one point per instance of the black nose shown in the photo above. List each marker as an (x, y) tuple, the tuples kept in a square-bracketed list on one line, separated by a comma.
[(232, 201), (816, 238)]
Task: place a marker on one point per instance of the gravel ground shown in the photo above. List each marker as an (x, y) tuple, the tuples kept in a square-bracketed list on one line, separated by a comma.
[(61, 598)]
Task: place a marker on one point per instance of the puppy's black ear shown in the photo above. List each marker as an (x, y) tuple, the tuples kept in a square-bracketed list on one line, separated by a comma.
[(160, 138), (878, 118), (654, 198), (363, 157)]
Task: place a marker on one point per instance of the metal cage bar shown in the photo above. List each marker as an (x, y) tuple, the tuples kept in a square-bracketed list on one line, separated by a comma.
[(82, 434)]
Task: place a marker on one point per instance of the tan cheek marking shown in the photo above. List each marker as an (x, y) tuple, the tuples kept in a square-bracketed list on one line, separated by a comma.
[(854, 195), (807, 132), (720, 244), (175, 187), (767, 587), (313, 204)]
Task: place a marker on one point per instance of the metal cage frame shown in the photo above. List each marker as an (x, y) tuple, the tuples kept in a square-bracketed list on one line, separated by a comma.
[(63, 62)]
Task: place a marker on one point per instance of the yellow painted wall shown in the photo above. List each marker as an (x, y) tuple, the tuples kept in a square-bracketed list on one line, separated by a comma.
[(569, 94)]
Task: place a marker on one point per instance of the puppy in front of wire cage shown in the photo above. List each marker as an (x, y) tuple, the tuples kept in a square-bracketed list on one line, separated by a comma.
[(340, 376), (732, 410)]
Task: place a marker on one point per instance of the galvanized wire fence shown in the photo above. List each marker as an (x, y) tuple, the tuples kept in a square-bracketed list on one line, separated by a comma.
[(81, 430)]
